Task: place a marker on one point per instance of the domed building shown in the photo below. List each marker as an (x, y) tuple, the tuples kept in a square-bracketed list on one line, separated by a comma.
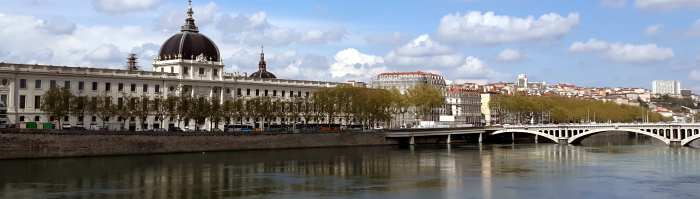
[(262, 68), (188, 64)]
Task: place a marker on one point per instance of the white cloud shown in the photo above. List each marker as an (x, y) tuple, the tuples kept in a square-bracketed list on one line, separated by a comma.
[(638, 54), (592, 45), (115, 7), (693, 30), (437, 61), (283, 37), (29, 35), (274, 37), (510, 55), (423, 46), (59, 25), (242, 23), (394, 39), (653, 31), (666, 5), (613, 3), (474, 68), (323, 37), (694, 75), (352, 62), (173, 19), (490, 29)]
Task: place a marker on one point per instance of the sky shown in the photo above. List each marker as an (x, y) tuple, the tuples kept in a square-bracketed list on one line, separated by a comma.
[(597, 43)]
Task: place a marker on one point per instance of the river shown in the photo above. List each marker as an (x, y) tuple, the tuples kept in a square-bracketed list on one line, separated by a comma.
[(603, 166)]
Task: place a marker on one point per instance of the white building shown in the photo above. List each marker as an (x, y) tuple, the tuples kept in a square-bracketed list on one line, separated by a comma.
[(522, 80), (405, 80), (661, 87), (189, 63)]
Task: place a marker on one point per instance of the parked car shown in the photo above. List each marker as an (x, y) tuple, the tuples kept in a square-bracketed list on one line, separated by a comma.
[(202, 130), (379, 127), (174, 128), (216, 130), (159, 129), (80, 128)]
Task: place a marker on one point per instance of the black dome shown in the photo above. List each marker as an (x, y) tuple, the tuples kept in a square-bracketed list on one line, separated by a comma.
[(189, 45), (263, 74)]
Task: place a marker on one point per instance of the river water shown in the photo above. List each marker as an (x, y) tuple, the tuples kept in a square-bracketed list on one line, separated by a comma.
[(604, 166)]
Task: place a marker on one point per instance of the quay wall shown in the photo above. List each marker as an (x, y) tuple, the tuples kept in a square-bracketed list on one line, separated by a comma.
[(34, 143)]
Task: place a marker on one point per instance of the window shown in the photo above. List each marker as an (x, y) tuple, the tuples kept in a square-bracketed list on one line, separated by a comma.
[(108, 102), (282, 93), (291, 93), (3, 98), (81, 86), (36, 118), (265, 93), (274, 93), (162, 70), (247, 91), (52, 84), (157, 89), (133, 87), (94, 119), (257, 92), (215, 72), (80, 118), (37, 102), (37, 83), (65, 119), (307, 94), (66, 84), (120, 87), (106, 119), (201, 71), (185, 70), (22, 101), (22, 83), (172, 69), (145, 88), (94, 86), (51, 118), (299, 94), (132, 103), (108, 86), (120, 102), (21, 118), (238, 92)]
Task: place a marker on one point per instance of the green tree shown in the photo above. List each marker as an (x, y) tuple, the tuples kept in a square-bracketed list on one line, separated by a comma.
[(78, 107), (424, 99), (160, 109), (142, 109), (56, 103)]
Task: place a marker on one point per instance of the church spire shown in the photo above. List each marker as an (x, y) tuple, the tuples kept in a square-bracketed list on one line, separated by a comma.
[(262, 65), (189, 22)]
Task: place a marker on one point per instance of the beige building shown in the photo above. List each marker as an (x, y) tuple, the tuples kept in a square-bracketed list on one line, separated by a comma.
[(189, 63)]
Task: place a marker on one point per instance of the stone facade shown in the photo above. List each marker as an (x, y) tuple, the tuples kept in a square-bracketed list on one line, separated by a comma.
[(40, 144)]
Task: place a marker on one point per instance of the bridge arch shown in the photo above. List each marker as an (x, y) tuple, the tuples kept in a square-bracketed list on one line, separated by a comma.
[(578, 138), (554, 139), (690, 139)]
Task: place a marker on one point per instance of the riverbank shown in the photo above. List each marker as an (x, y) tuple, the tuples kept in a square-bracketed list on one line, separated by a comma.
[(25, 143)]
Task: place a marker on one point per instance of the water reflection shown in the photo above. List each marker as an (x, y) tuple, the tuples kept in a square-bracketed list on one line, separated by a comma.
[(605, 166)]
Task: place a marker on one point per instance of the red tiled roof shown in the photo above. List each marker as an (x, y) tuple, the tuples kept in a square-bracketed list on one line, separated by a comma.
[(411, 73)]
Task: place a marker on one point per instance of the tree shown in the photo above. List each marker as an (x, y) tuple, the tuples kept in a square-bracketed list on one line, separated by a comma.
[(78, 107), (102, 107), (125, 108), (160, 109), (142, 108), (215, 113), (423, 99), (173, 104), (56, 103)]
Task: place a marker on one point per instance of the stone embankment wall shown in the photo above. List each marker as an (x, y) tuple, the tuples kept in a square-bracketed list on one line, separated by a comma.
[(27, 143)]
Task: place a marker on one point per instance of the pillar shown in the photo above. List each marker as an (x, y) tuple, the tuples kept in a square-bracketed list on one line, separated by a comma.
[(411, 142), (449, 137), (481, 137), (536, 137), (512, 137)]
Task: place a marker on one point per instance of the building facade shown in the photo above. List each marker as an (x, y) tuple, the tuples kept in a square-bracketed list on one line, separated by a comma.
[(464, 104), (405, 80), (189, 63), (661, 87)]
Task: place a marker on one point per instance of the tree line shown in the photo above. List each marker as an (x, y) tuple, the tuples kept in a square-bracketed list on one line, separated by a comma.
[(522, 109), (343, 104)]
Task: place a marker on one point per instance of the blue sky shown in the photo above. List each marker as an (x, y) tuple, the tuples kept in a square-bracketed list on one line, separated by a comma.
[(615, 43)]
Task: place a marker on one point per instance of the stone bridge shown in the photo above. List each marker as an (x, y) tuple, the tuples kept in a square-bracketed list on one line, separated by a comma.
[(674, 134)]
